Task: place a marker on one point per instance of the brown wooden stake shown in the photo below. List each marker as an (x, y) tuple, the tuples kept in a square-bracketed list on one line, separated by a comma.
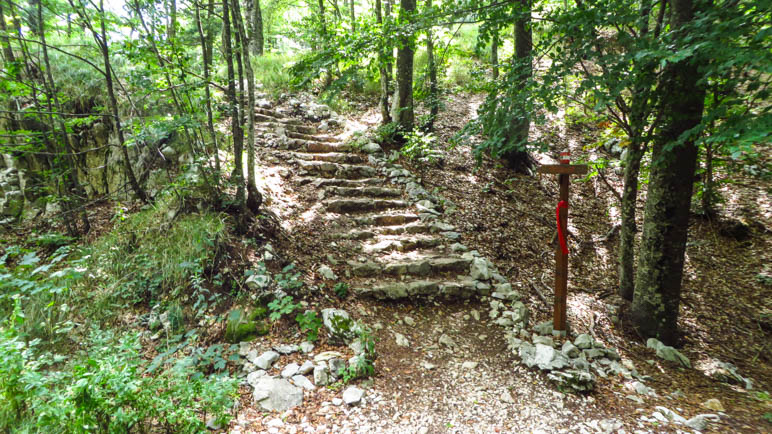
[(563, 170)]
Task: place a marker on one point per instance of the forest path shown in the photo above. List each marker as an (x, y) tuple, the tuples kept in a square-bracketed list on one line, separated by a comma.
[(443, 364)]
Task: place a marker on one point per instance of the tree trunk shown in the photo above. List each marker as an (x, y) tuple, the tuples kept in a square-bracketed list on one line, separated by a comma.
[(660, 267), (254, 199), (238, 135), (708, 189), (353, 17), (102, 42), (434, 94), (171, 27), (207, 60), (402, 106), (384, 73), (495, 54), (639, 108), (7, 50), (519, 159), (256, 41)]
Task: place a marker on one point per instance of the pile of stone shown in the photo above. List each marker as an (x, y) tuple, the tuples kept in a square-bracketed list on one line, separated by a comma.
[(11, 192), (281, 389)]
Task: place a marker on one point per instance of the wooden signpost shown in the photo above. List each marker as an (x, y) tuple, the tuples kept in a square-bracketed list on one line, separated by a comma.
[(563, 170)]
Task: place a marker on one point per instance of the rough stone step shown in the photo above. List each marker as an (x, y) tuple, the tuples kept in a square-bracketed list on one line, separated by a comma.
[(312, 137), (331, 157), (365, 191), (387, 219), (334, 182), (342, 206), (402, 244), (326, 147), (262, 118), (364, 234), (417, 288), (270, 125), (276, 115), (335, 170), (420, 267)]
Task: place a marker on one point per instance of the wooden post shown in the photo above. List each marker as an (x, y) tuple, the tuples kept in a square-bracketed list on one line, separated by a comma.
[(563, 170)]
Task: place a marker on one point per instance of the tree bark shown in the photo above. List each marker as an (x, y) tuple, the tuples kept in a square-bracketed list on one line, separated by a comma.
[(7, 50), (353, 17), (660, 267), (207, 60), (254, 199), (402, 106), (495, 54), (256, 41), (384, 73), (519, 159), (171, 27), (639, 109), (434, 90), (238, 136), (102, 42)]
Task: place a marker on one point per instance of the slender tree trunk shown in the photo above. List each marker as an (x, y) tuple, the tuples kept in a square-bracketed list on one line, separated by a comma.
[(353, 17), (171, 27), (660, 266), (255, 14), (402, 106), (207, 60), (238, 135), (639, 109), (708, 189), (495, 54), (519, 159), (383, 103), (102, 42), (7, 50), (76, 189), (254, 199), (434, 91)]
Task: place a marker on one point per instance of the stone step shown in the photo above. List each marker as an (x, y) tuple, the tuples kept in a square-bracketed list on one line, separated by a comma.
[(312, 137), (335, 170), (326, 147), (276, 115), (342, 206), (270, 125), (331, 157), (387, 219), (364, 191), (262, 118), (438, 288), (364, 234), (402, 244), (335, 182), (414, 267)]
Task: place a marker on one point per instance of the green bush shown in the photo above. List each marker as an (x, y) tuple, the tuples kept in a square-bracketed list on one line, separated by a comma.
[(143, 258), (271, 71), (103, 389)]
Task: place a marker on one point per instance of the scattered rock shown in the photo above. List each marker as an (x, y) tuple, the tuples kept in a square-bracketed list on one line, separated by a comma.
[(306, 347), (401, 340), (257, 282), (275, 394), (713, 404), (321, 375), (372, 148), (583, 341), (254, 376), (543, 328), (469, 365), (429, 366), (700, 422), (570, 350), (290, 370), (286, 349), (353, 395), (447, 341), (337, 402), (543, 340), (479, 270), (409, 321), (327, 355), (266, 360), (306, 367), (303, 382), (327, 272), (507, 397), (339, 324), (337, 366)]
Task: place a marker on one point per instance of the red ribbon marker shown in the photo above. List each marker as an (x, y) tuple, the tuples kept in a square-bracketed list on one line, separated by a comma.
[(561, 236)]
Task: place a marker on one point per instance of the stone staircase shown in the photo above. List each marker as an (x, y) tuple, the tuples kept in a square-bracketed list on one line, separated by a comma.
[(399, 245)]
